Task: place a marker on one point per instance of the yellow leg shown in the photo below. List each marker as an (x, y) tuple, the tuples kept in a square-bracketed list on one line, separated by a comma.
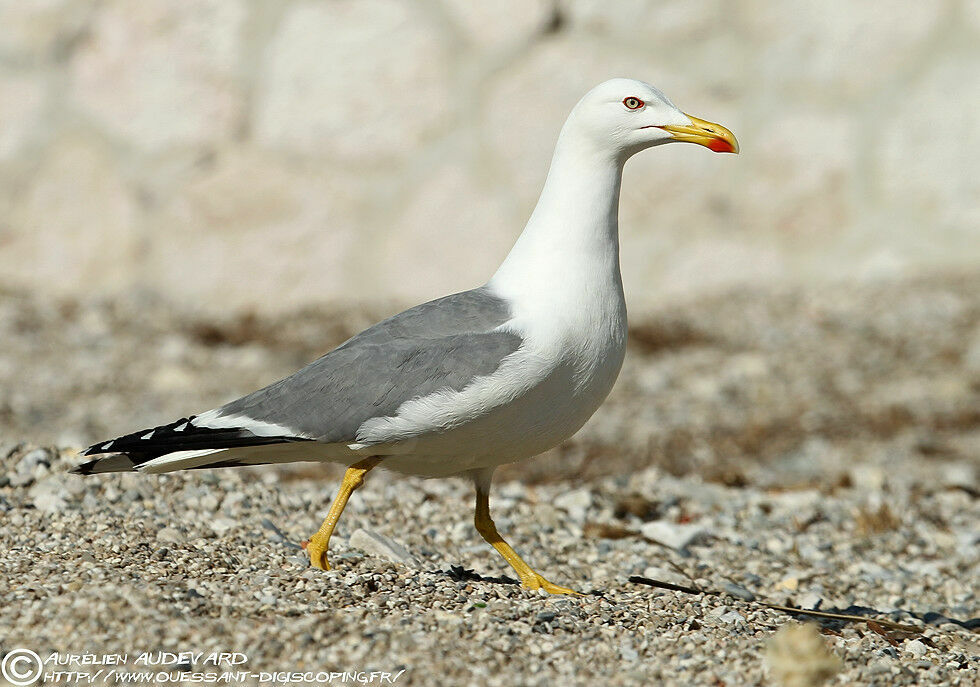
[(353, 478), (484, 525)]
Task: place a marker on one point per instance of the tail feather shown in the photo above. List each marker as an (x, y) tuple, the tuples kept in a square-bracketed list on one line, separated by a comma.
[(179, 445)]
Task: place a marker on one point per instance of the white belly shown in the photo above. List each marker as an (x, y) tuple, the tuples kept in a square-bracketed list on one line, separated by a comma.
[(540, 396)]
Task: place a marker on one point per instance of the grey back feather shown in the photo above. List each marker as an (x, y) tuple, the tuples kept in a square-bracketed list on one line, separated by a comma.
[(444, 343)]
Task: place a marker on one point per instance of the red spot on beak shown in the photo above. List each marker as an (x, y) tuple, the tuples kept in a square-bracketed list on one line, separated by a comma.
[(720, 145)]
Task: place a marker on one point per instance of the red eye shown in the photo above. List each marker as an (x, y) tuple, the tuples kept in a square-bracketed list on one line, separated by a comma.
[(633, 103)]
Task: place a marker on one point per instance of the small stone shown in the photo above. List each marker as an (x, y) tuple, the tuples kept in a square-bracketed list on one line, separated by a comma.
[(867, 478), (376, 544), (809, 601), (738, 591), (732, 617), (718, 611), (32, 465), (221, 526), (778, 545), (628, 653), (169, 535), (665, 575), (50, 502), (789, 583), (880, 666), (915, 647), (962, 475), (673, 535), (32, 459), (575, 503)]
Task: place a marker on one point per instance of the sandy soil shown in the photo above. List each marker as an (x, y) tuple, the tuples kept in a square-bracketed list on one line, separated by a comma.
[(818, 449)]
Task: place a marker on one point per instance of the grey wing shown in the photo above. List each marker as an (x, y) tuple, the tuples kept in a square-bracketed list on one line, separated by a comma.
[(442, 344)]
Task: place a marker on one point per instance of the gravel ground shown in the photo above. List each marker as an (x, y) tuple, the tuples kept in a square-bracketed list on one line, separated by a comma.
[(819, 450)]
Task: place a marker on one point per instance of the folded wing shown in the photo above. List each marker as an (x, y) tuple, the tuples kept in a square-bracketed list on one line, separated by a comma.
[(442, 344)]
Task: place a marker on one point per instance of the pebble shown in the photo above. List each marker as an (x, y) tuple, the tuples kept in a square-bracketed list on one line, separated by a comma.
[(809, 601), (732, 617), (375, 544), (674, 535), (665, 575), (791, 583), (575, 502), (628, 653), (880, 666), (49, 502), (32, 465), (169, 535), (915, 647), (738, 591), (222, 525)]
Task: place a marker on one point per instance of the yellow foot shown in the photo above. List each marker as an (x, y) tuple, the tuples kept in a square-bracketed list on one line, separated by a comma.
[(318, 553), (538, 582)]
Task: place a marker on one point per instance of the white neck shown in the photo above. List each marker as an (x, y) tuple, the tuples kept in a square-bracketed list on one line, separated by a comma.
[(572, 237)]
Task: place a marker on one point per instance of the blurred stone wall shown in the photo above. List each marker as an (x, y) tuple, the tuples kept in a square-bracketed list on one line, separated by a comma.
[(257, 152)]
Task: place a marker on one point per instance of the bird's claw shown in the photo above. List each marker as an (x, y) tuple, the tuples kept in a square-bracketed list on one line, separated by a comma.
[(536, 581), (318, 554)]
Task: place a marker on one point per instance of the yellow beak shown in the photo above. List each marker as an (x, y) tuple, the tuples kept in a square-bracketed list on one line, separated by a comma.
[(704, 133)]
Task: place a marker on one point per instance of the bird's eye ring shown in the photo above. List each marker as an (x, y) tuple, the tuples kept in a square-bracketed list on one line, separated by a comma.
[(633, 103)]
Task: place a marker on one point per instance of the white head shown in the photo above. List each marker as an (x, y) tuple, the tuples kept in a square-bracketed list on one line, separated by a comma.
[(627, 116)]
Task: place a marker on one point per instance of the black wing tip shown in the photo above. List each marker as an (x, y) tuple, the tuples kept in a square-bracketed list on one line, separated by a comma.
[(119, 462), (103, 447), (180, 435), (89, 467), (86, 468), (129, 441)]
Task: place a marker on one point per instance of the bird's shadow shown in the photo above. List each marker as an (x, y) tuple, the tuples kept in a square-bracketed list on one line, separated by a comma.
[(930, 618), (458, 573), (933, 618)]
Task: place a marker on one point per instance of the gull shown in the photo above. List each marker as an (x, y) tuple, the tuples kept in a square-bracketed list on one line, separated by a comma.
[(465, 383)]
